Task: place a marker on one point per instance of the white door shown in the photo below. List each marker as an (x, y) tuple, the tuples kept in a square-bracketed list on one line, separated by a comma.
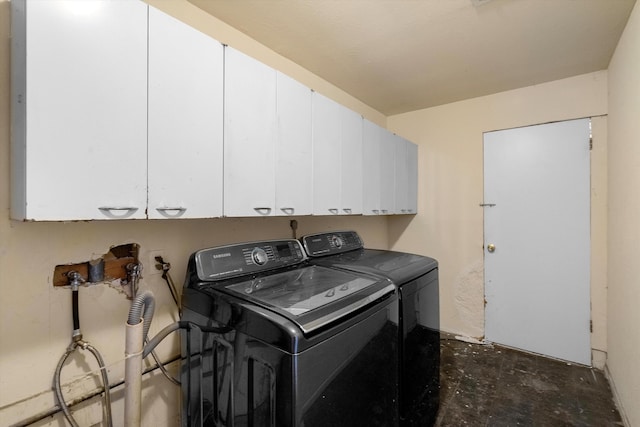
[(185, 120), (86, 109), (388, 172), (249, 136), (537, 245), (293, 152), (351, 163), (412, 172), (371, 171), (327, 155)]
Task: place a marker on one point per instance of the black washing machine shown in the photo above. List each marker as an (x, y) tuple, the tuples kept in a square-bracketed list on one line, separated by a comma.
[(416, 278), (276, 341)]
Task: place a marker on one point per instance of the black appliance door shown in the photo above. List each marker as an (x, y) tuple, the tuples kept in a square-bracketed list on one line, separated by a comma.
[(347, 379), (420, 351)]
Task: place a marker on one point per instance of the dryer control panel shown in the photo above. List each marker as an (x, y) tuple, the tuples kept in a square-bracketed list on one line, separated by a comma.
[(241, 259), (331, 243)]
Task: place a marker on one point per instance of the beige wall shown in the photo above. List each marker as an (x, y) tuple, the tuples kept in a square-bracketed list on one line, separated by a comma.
[(624, 220), (449, 225), (35, 318)]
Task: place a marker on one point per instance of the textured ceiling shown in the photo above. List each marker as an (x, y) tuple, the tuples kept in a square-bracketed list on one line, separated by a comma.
[(404, 55)]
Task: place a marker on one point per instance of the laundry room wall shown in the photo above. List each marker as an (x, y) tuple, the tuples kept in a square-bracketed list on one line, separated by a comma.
[(624, 220), (35, 318), (449, 224)]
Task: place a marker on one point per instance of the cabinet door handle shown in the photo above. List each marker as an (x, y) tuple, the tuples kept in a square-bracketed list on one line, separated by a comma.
[(263, 210), (347, 210), (384, 211), (376, 211), (403, 210), (171, 211), (288, 211), (118, 211), (333, 211)]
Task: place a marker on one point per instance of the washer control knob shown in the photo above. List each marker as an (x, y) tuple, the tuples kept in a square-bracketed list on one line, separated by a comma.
[(259, 256), (337, 242)]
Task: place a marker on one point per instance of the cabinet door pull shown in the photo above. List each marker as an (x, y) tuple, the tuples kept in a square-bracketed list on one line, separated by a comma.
[(376, 211), (347, 210), (384, 211), (171, 211), (333, 211), (288, 211), (118, 211), (263, 210)]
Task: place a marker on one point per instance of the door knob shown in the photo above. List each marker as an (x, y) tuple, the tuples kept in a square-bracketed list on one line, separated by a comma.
[(491, 247)]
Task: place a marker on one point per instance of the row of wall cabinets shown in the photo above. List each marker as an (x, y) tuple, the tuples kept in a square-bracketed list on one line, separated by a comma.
[(121, 111)]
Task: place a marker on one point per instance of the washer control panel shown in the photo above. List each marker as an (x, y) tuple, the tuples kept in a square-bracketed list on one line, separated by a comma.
[(331, 243), (224, 262)]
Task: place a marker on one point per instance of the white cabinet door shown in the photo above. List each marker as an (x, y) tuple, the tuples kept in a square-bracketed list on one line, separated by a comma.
[(406, 186), (402, 176), (249, 136), (387, 172), (371, 164), (412, 175), (293, 148), (351, 176), (327, 153), (185, 120), (80, 109)]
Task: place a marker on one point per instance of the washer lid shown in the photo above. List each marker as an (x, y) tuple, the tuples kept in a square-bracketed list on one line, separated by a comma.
[(312, 296)]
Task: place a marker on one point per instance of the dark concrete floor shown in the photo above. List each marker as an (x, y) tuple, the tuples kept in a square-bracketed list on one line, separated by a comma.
[(490, 385)]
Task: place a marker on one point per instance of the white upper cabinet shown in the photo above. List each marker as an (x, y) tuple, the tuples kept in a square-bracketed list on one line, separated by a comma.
[(406, 188), (351, 176), (379, 153), (327, 155), (371, 163), (185, 154), (406, 176), (402, 176), (412, 172), (249, 136), (337, 158), (388, 172), (120, 111), (293, 148), (79, 105)]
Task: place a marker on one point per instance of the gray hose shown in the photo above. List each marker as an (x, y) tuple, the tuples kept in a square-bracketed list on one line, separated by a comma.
[(144, 301), (153, 342), (105, 382), (58, 387)]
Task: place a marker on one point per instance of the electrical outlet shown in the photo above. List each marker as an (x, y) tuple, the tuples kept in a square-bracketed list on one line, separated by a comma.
[(153, 266)]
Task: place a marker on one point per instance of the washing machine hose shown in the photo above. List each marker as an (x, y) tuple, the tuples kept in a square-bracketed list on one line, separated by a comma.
[(76, 343), (142, 307)]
